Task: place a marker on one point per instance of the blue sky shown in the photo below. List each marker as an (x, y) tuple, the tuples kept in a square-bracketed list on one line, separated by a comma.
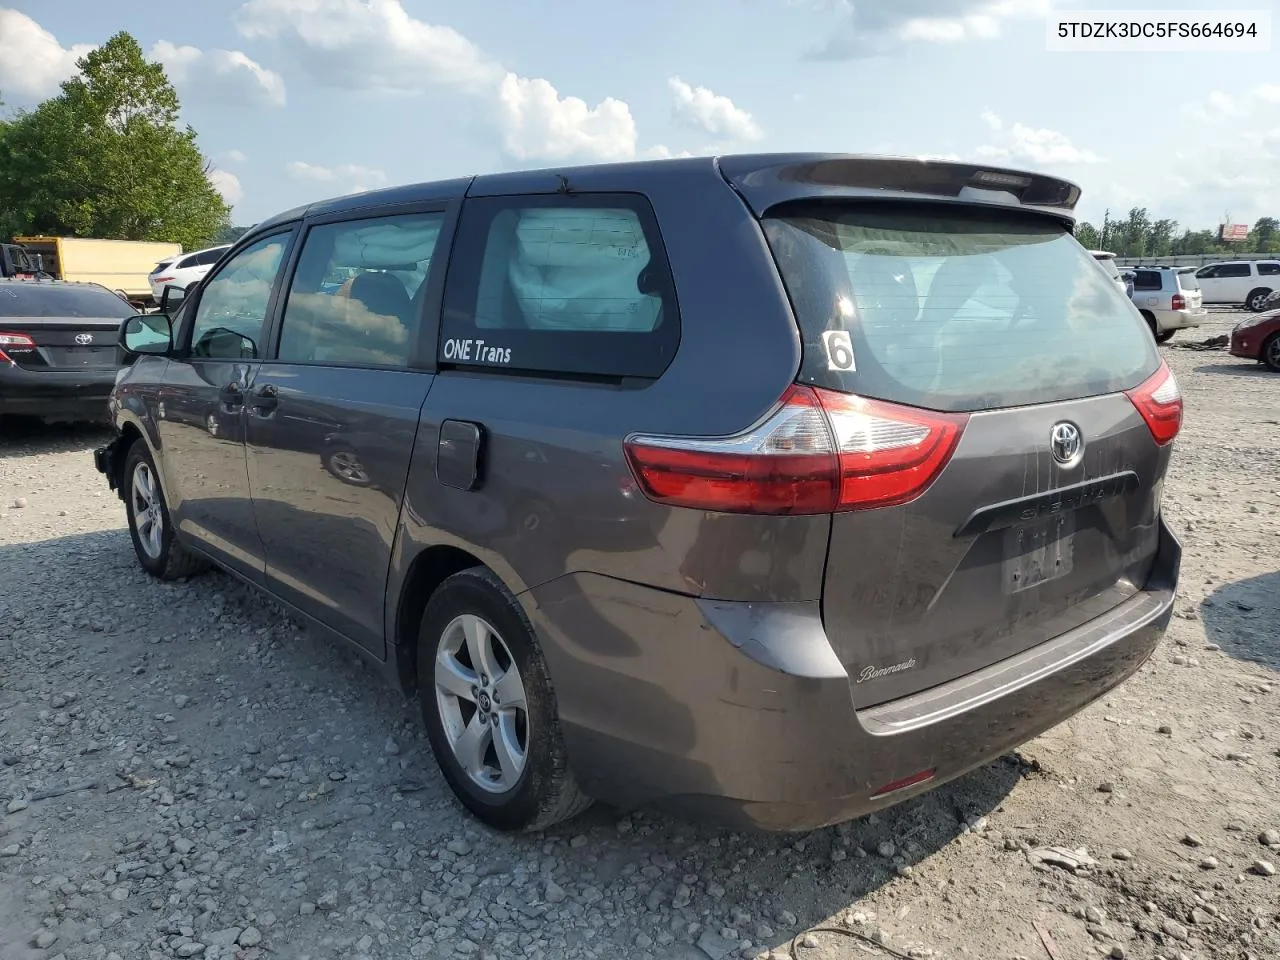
[(296, 100)]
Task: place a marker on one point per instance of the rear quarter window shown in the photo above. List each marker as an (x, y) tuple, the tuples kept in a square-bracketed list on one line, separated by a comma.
[(1148, 280), (954, 308), (576, 285)]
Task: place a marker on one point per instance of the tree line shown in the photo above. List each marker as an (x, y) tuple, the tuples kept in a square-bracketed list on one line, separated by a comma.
[(1140, 236), (106, 158)]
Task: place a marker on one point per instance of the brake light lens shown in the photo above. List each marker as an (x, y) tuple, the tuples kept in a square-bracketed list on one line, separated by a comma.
[(818, 451), (161, 279), (1179, 302), (1159, 401), (889, 454), (14, 343)]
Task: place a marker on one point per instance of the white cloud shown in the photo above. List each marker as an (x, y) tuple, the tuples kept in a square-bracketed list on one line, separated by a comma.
[(32, 61), (874, 27), (660, 151), (227, 76), (1267, 93), (351, 177), (375, 45), (370, 44), (1218, 106), (235, 156), (539, 123), (227, 184), (1029, 145), (712, 113)]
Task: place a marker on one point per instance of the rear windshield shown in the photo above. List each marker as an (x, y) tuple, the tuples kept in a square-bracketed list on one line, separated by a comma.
[(26, 299), (1187, 279), (1109, 267), (954, 309)]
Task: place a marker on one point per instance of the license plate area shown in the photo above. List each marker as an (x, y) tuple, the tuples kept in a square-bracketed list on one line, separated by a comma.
[(1037, 552)]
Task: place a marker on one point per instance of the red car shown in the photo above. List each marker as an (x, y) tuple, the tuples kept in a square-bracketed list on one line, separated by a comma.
[(1258, 338)]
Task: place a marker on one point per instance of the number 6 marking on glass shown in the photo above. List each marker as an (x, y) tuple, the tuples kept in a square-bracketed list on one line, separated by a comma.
[(839, 347)]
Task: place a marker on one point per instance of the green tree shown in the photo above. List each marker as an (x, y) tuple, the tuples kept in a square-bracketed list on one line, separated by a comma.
[(230, 234), (1160, 238), (106, 158), (1265, 235), (1088, 236)]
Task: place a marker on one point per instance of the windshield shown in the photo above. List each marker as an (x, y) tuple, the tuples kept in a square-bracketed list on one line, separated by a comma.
[(26, 299), (1187, 279), (954, 309)]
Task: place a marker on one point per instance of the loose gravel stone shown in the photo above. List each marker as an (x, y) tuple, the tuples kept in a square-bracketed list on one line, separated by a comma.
[(250, 937)]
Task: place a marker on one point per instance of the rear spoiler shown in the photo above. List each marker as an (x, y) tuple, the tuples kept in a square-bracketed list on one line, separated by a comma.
[(767, 180)]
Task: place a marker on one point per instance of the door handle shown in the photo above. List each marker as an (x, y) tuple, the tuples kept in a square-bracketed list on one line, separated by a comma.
[(232, 394), (265, 398)]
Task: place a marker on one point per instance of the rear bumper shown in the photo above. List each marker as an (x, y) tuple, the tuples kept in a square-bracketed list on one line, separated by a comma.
[(1179, 319), (56, 394), (742, 712)]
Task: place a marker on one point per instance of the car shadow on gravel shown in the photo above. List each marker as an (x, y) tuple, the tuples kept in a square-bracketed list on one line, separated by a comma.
[(1243, 618), (25, 437), (784, 882), (1236, 368)]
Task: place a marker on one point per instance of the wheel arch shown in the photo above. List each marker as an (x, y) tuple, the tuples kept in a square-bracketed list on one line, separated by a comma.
[(130, 433), (430, 567), (1260, 289)]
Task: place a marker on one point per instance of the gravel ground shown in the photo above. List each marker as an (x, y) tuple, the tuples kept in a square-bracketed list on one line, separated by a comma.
[(185, 773)]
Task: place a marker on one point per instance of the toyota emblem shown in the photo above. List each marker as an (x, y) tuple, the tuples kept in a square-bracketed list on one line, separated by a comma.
[(1066, 443), (84, 339)]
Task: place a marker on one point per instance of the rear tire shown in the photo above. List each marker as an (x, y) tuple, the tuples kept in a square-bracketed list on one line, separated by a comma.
[(1165, 336), (1270, 354), (1257, 299), (154, 542), (489, 707), (1150, 317)]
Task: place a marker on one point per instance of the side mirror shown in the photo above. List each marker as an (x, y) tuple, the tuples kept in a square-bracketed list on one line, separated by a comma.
[(173, 297), (147, 334)]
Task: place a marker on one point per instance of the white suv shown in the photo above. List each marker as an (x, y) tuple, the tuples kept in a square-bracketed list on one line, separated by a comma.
[(1246, 282), (185, 269), (1168, 299)]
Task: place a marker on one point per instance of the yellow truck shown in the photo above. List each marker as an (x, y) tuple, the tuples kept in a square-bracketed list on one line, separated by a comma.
[(120, 265)]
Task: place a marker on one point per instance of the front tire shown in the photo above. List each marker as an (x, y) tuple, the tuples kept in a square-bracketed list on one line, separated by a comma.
[(1271, 352), (150, 527), (489, 707)]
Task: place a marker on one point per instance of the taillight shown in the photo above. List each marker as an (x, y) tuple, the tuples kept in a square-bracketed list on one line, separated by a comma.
[(14, 343), (162, 279), (1179, 302), (818, 451), (1160, 403)]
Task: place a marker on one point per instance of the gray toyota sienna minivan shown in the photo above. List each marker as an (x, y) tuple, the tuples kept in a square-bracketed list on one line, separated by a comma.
[(773, 488)]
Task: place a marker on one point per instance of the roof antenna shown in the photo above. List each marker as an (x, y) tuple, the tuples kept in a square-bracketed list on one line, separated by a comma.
[(564, 184)]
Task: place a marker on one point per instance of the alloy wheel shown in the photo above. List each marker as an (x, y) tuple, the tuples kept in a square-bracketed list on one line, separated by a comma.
[(1272, 356), (148, 513), (482, 704)]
